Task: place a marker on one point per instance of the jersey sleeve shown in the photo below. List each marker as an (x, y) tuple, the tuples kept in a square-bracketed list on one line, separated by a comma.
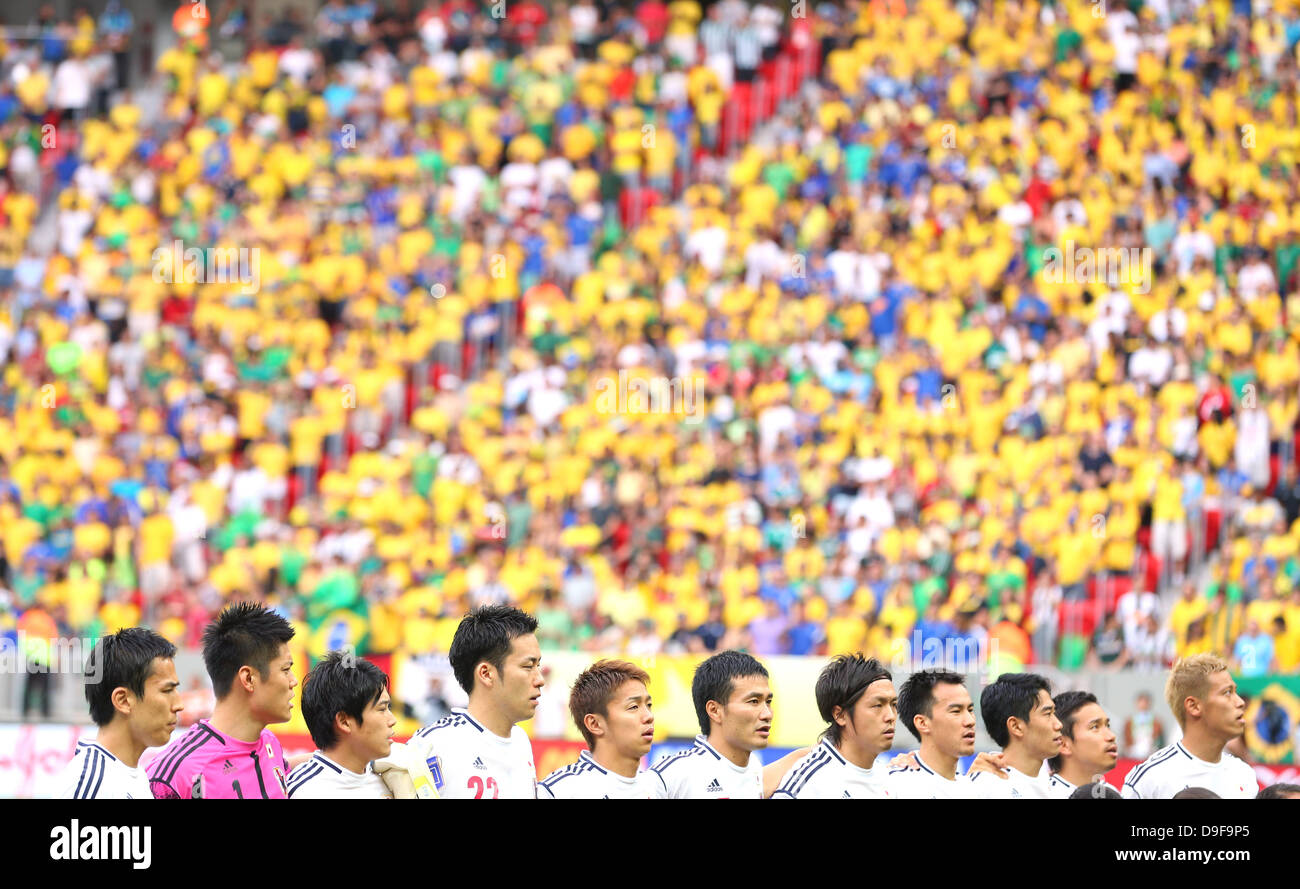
[(173, 780), (989, 786), (544, 792), (659, 786), (1130, 789), (438, 751)]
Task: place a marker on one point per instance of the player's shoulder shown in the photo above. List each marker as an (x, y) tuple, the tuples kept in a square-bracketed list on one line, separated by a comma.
[(172, 772), (269, 739), (568, 780), (83, 776), (679, 761), (1158, 763), (806, 770), (196, 746), (455, 725), (312, 775)]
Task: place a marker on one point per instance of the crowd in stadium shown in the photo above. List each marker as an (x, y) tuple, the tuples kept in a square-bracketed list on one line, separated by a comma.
[(900, 423)]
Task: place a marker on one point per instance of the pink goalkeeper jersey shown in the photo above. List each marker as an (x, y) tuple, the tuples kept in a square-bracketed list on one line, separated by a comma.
[(205, 764)]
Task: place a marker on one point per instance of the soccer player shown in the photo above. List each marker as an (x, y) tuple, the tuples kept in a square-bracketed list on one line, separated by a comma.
[(610, 704), (856, 697), (1020, 716), (234, 755), (134, 697), (480, 752), (1203, 697), (1088, 746), (938, 711), (348, 710), (733, 702)]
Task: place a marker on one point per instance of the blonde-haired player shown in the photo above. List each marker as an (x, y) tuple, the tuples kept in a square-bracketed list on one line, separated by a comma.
[(1203, 697)]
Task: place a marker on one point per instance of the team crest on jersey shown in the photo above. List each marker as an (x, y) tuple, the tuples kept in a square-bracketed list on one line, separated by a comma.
[(270, 754), (435, 769)]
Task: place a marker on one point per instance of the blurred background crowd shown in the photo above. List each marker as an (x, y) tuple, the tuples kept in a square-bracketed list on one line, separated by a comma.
[(837, 230)]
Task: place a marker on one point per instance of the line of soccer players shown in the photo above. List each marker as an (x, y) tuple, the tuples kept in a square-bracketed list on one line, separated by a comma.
[(1051, 747)]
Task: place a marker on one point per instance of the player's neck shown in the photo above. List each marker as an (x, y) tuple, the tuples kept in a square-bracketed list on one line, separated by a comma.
[(609, 759), (1022, 761), (354, 763), (1203, 745), (489, 718), (1078, 773), (234, 720), (116, 739), (862, 757), (736, 755), (943, 765)]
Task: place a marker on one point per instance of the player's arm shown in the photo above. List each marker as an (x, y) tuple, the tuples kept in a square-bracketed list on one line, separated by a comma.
[(774, 773)]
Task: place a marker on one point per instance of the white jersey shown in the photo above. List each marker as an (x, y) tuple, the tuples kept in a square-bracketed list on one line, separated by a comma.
[(1017, 785), (700, 772), (322, 778), (94, 773), (825, 774), (586, 779), (1061, 789), (926, 783), (469, 762), (1172, 769)]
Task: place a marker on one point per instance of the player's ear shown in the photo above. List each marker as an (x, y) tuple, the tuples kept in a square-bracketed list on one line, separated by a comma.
[(594, 724), (839, 715), (485, 672), (123, 700), (342, 723), (922, 723), (244, 678), (1015, 728), (714, 709)]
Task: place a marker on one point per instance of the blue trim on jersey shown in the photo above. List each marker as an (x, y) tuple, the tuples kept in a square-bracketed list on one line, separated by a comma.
[(806, 766), (95, 745), (1179, 745), (297, 780), (1156, 759), (453, 721), (470, 719), (320, 758), (586, 757), (793, 791), (568, 771), (703, 743), (924, 767), (92, 774), (833, 752), (669, 760)]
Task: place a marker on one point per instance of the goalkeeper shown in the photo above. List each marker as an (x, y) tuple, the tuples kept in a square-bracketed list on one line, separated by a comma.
[(348, 710)]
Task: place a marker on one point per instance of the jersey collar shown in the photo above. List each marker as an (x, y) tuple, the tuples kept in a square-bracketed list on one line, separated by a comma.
[(585, 756), (98, 746)]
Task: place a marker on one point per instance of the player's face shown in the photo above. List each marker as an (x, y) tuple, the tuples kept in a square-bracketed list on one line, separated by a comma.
[(747, 718), (1094, 743), (521, 679), (871, 730), (375, 734), (154, 716), (1043, 737), (952, 720), (273, 693), (1224, 710), (630, 723)]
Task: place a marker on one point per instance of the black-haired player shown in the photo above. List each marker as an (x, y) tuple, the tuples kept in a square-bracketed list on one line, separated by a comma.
[(234, 755), (134, 697)]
